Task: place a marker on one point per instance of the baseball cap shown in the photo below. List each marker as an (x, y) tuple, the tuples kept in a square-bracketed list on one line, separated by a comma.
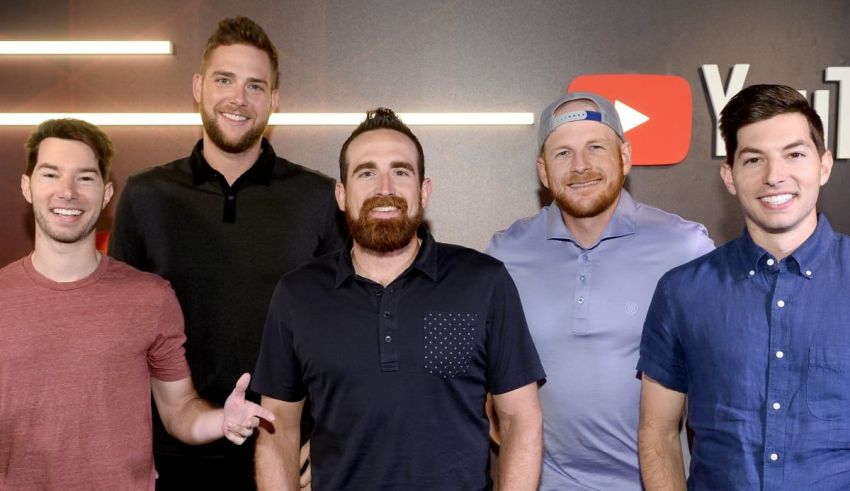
[(606, 114)]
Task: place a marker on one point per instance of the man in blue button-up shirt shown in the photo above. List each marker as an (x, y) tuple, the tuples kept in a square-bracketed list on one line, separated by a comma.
[(757, 333)]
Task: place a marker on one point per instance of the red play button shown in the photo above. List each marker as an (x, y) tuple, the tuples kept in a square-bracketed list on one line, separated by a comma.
[(655, 110)]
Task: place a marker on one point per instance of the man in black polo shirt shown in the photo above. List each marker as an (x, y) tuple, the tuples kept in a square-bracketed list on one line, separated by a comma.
[(396, 340), (223, 225)]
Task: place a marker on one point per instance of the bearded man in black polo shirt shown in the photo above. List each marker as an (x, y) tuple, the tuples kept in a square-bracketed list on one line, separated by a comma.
[(223, 225), (396, 340)]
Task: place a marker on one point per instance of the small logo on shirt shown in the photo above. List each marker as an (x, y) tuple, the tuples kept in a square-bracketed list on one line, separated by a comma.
[(631, 308)]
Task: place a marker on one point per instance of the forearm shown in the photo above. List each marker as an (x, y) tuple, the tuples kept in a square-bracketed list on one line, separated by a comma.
[(196, 422), (661, 465), (277, 459), (521, 453)]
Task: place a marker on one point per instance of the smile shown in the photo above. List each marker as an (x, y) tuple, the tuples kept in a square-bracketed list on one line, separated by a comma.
[(777, 199), (234, 117), (68, 212), (579, 185), (382, 209)]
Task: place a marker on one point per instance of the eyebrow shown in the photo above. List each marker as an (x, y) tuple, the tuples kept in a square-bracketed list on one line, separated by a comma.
[(787, 147), (84, 170), (396, 164), (255, 80)]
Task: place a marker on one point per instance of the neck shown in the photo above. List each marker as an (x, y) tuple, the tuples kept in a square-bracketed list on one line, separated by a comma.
[(587, 230), (383, 267), (782, 244), (230, 165), (64, 263)]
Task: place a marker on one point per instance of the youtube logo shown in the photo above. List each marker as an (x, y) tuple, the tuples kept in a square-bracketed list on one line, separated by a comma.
[(655, 110)]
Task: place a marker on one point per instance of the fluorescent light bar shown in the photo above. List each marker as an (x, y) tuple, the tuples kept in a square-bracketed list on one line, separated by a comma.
[(277, 119), (86, 48)]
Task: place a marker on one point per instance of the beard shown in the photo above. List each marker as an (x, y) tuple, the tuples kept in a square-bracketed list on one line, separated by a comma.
[(383, 235), (241, 144), (591, 207), (69, 237)]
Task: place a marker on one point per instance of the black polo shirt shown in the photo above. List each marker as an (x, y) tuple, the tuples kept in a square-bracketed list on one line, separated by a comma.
[(398, 376), (224, 248)]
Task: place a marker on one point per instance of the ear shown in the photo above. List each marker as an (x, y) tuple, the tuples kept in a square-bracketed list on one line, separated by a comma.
[(541, 171), (626, 153), (726, 176), (108, 190), (425, 194), (275, 95), (25, 188), (339, 192), (197, 87), (825, 167)]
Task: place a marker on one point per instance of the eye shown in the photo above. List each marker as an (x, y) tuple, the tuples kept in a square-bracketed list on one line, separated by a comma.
[(365, 173), (88, 178), (596, 146), (796, 155), (562, 153), (402, 172), (751, 160), (222, 81), (257, 87)]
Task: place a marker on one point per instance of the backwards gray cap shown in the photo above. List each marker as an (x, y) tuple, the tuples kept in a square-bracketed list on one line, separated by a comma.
[(606, 114)]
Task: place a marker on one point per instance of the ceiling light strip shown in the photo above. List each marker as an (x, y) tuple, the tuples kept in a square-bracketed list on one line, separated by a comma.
[(277, 119), (86, 48)]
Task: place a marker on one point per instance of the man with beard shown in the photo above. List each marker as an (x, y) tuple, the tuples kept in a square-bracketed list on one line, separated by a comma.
[(222, 225), (86, 339), (585, 267), (396, 340)]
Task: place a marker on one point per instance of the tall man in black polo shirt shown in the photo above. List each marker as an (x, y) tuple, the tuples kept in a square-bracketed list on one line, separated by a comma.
[(397, 339), (223, 225)]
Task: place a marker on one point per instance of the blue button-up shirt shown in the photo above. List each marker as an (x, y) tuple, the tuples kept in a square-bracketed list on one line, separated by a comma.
[(585, 308), (762, 349)]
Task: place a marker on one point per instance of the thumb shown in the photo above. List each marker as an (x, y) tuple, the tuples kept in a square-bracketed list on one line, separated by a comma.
[(242, 384)]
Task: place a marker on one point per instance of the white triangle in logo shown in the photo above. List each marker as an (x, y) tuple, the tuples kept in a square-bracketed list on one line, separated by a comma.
[(630, 117)]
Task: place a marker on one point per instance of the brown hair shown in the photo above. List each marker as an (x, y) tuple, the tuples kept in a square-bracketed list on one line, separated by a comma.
[(760, 102), (242, 30), (381, 119), (72, 129)]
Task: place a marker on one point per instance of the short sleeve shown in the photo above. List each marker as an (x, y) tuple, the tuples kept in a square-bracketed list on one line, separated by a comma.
[(167, 356), (661, 354), (512, 360), (278, 371)]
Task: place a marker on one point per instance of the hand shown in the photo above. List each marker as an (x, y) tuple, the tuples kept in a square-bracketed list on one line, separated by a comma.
[(241, 416), (306, 468)]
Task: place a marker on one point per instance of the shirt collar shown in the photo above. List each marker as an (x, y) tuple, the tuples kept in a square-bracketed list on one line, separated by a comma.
[(425, 262), (260, 172), (803, 261), (622, 221)]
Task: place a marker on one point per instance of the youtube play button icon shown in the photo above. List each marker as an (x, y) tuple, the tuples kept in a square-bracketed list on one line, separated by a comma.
[(655, 110)]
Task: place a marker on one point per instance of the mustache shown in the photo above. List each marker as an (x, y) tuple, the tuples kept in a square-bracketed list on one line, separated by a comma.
[(577, 179), (380, 201)]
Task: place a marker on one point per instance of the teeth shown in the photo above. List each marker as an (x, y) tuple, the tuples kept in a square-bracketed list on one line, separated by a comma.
[(385, 208), (67, 212), (777, 199), (234, 117), (583, 184)]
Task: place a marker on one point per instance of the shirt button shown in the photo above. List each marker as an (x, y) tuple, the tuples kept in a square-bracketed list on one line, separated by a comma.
[(752, 272), (229, 197), (379, 293), (774, 457), (780, 303), (779, 354), (771, 262), (776, 406), (386, 314), (581, 277), (808, 273), (388, 339), (580, 300)]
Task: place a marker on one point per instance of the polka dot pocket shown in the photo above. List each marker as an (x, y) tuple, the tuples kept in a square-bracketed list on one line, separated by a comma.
[(449, 342)]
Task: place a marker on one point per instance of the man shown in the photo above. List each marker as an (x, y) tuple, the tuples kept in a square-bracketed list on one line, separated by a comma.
[(85, 339), (755, 335), (396, 340), (223, 225), (585, 267)]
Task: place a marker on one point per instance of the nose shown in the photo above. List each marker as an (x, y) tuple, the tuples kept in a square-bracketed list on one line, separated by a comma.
[(385, 185), (775, 172), (581, 164), (68, 188)]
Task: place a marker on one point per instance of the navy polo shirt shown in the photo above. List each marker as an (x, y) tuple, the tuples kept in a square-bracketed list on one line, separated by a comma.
[(762, 349), (397, 375)]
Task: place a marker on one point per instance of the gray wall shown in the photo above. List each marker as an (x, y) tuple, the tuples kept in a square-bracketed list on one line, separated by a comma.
[(429, 56)]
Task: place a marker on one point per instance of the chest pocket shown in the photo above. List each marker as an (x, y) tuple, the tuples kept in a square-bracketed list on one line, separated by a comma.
[(449, 342), (828, 383)]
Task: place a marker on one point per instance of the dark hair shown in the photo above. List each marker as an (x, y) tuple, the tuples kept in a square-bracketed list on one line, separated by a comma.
[(242, 30), (381, 119), (72, 129), (760, 102)]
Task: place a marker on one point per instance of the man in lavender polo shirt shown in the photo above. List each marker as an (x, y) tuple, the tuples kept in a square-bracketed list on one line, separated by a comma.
[(586, 267)]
